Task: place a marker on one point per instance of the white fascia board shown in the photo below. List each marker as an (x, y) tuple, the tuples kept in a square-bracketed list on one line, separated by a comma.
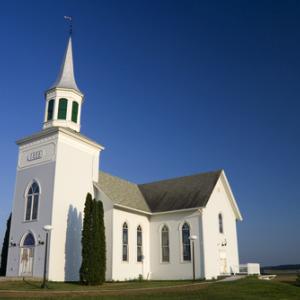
[(127, 208), (177, 211), (231, 196)]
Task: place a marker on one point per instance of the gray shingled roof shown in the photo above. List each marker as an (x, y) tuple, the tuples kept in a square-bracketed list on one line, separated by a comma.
[(180, 193), (166, 195), (122, 192)]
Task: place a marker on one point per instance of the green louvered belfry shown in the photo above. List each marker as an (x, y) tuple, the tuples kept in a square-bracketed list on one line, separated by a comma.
[(74, 112), (62, 109)]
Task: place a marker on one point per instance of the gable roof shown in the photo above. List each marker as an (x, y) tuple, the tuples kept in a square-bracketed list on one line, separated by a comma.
[(180, 193), (167, 195)]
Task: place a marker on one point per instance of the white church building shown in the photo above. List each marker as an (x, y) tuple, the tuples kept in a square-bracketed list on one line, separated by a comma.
[(151, 229)]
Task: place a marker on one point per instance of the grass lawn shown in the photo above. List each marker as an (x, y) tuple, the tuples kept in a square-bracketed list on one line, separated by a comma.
[(244, 289)]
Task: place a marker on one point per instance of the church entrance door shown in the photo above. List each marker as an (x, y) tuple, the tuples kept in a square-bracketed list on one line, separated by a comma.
[(223, 262), (27, 255)]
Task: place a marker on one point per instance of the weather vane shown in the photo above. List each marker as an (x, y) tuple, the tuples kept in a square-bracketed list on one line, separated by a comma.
[(70, 20)]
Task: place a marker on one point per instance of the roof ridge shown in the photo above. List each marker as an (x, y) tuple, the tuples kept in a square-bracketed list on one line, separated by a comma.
[(181, 177)]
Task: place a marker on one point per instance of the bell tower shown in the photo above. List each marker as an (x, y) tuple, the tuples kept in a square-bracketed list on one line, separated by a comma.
[(63, 98), (56, 169)]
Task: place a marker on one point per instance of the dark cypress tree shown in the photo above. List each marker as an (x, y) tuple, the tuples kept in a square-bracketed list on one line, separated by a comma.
[(86, 240), (5, 248), (102, 252), (93, 266)]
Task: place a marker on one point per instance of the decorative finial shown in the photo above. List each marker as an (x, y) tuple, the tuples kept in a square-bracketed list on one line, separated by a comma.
[(69, 19)]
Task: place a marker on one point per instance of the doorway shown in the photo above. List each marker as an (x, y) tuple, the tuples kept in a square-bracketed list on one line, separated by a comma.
[(27, 255), (223, 262)]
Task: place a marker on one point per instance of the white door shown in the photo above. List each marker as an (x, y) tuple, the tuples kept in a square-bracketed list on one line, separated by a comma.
[(223, 263), (26, 261)]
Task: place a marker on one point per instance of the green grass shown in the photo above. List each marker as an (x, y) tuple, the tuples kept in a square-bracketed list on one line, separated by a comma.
[(245, 289), (61, 286)]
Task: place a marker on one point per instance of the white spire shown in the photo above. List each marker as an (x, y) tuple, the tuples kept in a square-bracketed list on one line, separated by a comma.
[(66, 77)]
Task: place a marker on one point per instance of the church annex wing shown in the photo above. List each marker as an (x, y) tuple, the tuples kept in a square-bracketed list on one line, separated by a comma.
[(161, 196)]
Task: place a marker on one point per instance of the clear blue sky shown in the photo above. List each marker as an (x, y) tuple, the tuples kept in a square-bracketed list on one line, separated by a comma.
[(172, 88)]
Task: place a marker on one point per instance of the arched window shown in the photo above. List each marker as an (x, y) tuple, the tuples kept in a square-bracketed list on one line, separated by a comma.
[(186, 243), (139, 243), (32, 204), (62, 109), (50, 110), (74, 112), (165, 250), (29, 240), (221, 229), (125, 242)]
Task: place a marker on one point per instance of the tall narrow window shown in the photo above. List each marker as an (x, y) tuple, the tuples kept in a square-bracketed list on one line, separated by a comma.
[(125, 242), (165, 250), (139, 243), (50, 110), (62, 109), (32, 202), (186, 243), (221, 229), (74, 112)]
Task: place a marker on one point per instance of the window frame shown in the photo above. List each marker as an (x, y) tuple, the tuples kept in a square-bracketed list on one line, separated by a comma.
[(33, 200), (51, 102), (221, 223), (62, 112), (29, 233), (139, 245), (183, 244), (75, 106), (125, 228), (162, 246)]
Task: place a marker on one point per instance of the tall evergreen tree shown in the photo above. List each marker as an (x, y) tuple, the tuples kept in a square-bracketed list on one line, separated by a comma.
[(5, 248), (86, 240), (93, 243), (102, 252)]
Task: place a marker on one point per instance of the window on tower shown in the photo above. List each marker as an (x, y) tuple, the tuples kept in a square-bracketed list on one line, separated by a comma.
[(74, 111), (50, 110), (62, 109), (32, 202)]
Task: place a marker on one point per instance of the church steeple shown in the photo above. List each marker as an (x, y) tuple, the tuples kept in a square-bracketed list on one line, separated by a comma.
[(64, 99), (66, 78)]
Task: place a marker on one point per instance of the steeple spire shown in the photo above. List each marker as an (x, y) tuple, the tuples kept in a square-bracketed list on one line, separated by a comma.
[(66, 78), (64, 99)]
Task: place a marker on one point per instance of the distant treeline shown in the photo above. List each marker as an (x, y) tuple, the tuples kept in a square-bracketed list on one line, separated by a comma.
[(282, 267)]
